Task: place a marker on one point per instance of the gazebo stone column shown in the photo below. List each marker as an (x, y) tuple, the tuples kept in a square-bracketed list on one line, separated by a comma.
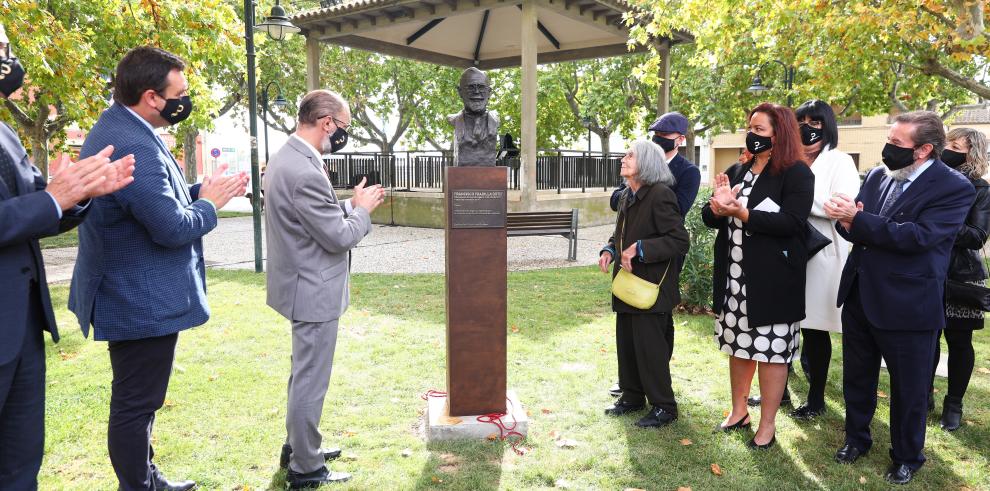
[(528, 113), (313, 52)]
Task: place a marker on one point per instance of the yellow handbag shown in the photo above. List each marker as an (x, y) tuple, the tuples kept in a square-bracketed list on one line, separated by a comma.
[(632, 289)]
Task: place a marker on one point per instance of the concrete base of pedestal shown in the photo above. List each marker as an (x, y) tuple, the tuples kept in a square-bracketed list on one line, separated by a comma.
[(440, 426)]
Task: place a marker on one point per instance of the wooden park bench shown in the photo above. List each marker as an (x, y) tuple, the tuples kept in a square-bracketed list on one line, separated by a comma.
[(563, 223)]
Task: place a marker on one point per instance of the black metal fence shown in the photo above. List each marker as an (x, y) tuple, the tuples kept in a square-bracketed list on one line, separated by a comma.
[(411, 171)]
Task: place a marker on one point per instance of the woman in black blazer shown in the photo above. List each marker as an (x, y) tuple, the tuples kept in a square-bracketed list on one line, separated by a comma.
[(649, 237), (760, 208)]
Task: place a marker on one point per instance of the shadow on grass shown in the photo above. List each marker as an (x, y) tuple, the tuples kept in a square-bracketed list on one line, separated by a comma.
[(462, 466)]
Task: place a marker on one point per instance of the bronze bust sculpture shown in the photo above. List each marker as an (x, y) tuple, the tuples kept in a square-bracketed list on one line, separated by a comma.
[(475, 128)]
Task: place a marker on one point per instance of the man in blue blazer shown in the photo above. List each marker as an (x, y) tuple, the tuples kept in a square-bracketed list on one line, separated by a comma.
[(31, 208), (140, 277), (901, 226)]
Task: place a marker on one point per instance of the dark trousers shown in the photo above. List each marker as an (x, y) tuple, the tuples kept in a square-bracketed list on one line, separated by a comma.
[(816, 355), (22, 405), (962, 360), (644, 345), (909, 356), (141, 369)]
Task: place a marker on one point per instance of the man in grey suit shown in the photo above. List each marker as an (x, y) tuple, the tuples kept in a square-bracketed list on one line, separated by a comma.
[(310, 234)]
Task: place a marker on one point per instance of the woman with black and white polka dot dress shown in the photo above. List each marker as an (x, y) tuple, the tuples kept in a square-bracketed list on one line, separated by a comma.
[(760, 208), (774, 343)]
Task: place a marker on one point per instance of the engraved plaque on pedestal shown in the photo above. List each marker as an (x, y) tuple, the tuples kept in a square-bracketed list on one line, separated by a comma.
[(476, 289)]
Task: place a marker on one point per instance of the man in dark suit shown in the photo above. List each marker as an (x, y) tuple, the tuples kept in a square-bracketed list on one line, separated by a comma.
[(31, 208), (152, 231), (901, 226)]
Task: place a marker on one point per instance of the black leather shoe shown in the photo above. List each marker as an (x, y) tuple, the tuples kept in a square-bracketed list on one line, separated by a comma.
[(162, 484), (314, 479), (899, 474), (656, 418), (766, 446), (849, 454), (622, 407), (806, 412), (952, 408), (756, 400), (328, 455), (743, 422), (615, 391)]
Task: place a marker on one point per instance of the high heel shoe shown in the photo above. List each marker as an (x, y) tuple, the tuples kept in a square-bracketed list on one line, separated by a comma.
[(738, 425), (752, 443)]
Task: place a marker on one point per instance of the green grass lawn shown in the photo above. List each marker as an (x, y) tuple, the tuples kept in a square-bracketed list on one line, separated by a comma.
[(223, 423), (71, 238)]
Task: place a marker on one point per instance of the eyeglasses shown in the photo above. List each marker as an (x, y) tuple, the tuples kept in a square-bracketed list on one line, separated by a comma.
[(477, 88), (340, 124)]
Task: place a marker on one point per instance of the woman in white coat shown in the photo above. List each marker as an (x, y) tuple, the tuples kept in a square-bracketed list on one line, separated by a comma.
[(835, 172)]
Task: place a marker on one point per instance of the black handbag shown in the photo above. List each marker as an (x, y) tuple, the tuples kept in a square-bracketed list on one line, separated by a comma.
[(967, 294), (814, 241)]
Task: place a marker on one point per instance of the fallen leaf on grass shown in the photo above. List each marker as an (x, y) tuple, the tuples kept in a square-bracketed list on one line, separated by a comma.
[(686, 441), (684, 488), (492, 437), (515, 328), (545, 411), (983, 370), (603, 350), (881, 394), (716, 469), (436, 479), (349, 434), (862, 479), (169, 403), (214, 377), (66, 356), (553, 433)]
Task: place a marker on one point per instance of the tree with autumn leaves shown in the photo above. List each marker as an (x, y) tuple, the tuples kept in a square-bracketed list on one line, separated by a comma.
[(863, 56)]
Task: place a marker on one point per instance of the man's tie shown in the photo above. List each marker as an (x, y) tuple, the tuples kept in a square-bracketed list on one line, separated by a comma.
[(7, 171), (895, 192)]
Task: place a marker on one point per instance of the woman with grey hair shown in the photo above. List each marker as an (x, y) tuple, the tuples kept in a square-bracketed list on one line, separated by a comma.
[(965, 151), (649, 237)]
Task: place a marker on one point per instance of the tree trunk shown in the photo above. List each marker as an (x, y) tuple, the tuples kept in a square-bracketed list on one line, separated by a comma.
[(189, 153), (39, 153), (605, 143), (690, 144)]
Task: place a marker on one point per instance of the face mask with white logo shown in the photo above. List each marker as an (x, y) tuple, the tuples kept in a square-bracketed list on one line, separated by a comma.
[(757, 144)]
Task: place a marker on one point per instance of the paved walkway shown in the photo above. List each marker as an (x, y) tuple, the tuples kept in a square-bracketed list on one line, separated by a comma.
[(386, 250)]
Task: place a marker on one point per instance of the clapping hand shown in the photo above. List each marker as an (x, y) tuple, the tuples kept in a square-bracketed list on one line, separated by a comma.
[(843, 209), (368, 198), (723, 201), (219, 189), (89, 178)]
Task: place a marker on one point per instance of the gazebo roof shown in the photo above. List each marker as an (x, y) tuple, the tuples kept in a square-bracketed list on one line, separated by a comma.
[(481, 33)]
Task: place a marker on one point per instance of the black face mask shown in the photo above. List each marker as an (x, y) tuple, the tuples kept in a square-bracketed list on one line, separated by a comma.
[(11, 75), (895, 157), (952, 158), (667, 144), (176, 110), (809, 135), (338, 140), (757, 144)]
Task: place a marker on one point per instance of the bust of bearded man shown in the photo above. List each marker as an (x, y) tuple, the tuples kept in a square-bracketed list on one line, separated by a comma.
[(475, 128)]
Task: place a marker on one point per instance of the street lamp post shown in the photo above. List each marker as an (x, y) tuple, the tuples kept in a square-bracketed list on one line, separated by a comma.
[(757, 87), (279, 102), (277, 25)]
